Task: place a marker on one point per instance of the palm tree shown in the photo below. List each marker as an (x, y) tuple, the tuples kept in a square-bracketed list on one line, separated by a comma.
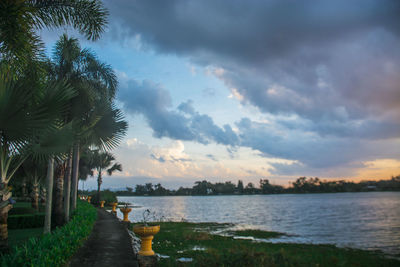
[(34, 172), (96, 85), (103, 161), (28, 121), (29, 110), (19, 20)]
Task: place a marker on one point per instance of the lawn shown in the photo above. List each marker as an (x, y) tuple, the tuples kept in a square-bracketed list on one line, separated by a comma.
[(201, 244), (19, 236)]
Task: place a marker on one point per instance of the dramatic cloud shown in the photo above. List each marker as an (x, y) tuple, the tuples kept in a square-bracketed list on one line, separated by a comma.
[(310, 149), (325, 72), (325, 61), (154, 103)]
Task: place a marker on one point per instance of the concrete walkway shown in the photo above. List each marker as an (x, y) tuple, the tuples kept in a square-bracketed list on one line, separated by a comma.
[(108, 245)]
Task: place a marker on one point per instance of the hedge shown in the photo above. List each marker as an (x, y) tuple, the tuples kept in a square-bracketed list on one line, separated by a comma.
[(106, 195), (25, 221), (56, 248)]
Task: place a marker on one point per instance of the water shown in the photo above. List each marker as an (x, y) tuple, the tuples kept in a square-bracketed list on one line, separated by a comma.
[(359, 220)]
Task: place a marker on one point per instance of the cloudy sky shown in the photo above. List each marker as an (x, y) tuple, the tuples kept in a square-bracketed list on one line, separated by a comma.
[(228, 90)]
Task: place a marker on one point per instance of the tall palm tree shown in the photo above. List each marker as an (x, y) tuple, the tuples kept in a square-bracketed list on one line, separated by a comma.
[(28, 123), (20, 19), (34, 172), (96, 85), (103, 161), (28, 120)]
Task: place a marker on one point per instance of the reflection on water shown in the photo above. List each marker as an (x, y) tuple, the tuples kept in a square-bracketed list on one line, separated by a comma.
[(359, 220)]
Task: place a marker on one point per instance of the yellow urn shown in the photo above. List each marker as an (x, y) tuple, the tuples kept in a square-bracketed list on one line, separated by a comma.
[(146, 234), (88, 199), (125, 211), (102, 204), (114, 207)]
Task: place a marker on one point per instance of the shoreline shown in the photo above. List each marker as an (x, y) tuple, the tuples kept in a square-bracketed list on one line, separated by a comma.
[(269, 194), (217, 244)]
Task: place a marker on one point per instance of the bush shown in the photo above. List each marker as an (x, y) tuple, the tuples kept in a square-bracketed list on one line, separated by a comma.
[(56, 248), (25, 221), (22, 210), (105, 195)]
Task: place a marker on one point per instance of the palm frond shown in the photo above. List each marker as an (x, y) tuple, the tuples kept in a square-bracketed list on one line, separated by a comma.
[(89, 17), (115, 167), (109, 130)]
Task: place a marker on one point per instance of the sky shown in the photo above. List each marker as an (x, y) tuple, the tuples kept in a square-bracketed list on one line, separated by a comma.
[(228, 90)]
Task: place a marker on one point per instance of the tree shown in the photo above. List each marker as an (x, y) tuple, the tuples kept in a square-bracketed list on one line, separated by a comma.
[(240, 187), (20, 19), (140, 190), (129, 189), (34, 172), (104, 161), (29, 126), (90, 111), (21, 99), (148, 188)]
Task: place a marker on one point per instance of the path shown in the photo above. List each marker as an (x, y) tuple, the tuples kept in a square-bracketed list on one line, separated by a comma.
[(108, 245)]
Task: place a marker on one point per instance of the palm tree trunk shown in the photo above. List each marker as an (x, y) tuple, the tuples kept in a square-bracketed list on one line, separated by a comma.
[(49, 195), (58, 207), (75, 170), (35, 196), (5, 207), (67, 187), (99, 182), (24, 191)]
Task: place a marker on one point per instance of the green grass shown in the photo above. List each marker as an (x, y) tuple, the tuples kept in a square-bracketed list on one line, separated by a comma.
[(256, 233), (20, 208), (20, 236), (22, 215), (196, 241), (56, 248)]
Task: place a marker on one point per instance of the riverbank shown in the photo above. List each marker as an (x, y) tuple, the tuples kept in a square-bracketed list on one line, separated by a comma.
[(213, 244), (367, 221)]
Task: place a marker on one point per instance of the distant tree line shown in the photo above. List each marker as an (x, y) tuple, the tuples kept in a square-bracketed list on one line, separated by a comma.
[(301, 185)]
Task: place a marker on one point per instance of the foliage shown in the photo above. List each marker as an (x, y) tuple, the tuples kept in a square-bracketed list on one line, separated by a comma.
[(195, 241), (23, 208), (19, 21), (106, 195), (20, 236), (301, 185), (56, 248), (256, 233), (23, 221)]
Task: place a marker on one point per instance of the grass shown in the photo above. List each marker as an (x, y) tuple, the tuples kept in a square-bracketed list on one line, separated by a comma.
[(22, 215), (256, 233), (197, 242), (20, 236), (20, 208), (52, 249)]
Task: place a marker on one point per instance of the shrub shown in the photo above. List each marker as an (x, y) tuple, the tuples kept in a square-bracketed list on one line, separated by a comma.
[(25, 221), (56, 248), (106, 195)]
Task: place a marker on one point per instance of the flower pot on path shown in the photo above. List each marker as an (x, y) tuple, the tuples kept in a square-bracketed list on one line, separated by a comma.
[(125, 211), (146, 234), (114, 207)]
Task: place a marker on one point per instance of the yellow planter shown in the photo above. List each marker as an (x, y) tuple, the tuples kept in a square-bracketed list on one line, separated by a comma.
[(146, 234), (88, 199), (102, 204), (125, 211), (114, 207)]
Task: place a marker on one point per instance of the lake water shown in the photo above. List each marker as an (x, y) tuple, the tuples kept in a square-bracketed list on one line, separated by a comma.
[(368, 220)]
